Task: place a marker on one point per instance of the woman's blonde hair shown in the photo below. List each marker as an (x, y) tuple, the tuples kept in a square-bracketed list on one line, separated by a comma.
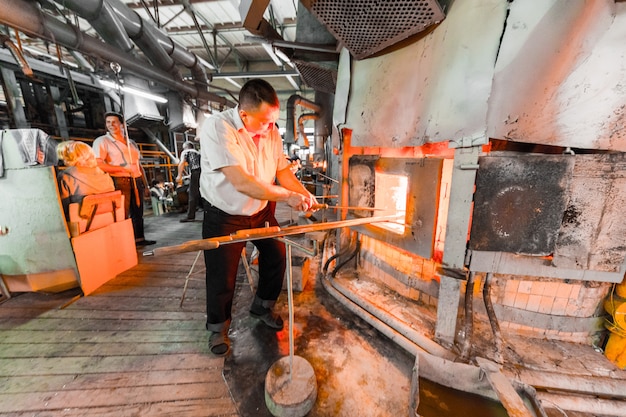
[(75, 153)]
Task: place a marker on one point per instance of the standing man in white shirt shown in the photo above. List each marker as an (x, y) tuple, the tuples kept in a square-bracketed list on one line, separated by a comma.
[(119, 156), (241, 156)]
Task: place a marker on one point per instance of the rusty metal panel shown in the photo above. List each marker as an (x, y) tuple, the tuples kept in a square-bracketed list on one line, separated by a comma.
[(519, 203), (593, 233)]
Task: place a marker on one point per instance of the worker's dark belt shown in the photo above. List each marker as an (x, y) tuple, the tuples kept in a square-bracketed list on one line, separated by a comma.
[(134, 183), (210, 207), (122, 179)]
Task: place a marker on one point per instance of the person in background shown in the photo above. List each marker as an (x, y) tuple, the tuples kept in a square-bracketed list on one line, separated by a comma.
[(242, 155), (120, 158), (157, 195), (82, 176), (190, 157)]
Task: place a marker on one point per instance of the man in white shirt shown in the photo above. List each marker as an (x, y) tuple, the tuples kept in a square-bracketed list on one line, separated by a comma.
[(241, 156), (121, 160)]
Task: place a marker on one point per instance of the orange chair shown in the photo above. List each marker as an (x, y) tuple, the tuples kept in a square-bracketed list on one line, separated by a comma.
[(102, 239), (96, 211)]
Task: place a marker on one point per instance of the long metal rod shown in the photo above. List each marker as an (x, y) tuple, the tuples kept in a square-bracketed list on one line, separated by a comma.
[(261, 233), (290, 305), (326, 206)]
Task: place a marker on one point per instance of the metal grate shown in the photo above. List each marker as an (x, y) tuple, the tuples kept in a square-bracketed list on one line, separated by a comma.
[(317, 77), (368, 26)]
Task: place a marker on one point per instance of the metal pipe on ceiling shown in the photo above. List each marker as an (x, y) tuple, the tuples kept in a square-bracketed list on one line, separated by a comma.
[(17, 54), (292, 102), (104, 20), (25, 17), (301, 119), (160, 49)]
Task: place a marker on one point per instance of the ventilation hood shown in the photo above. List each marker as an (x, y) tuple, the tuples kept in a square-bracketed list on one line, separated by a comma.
[(366, 27)]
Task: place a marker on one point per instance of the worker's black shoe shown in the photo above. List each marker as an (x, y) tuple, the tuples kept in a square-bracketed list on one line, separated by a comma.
[(144, 242), (268, 317), (186, 220), (219, 344)]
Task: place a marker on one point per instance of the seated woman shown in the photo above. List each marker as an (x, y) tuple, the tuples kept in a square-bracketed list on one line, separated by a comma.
[(157, 195), (82, 177)]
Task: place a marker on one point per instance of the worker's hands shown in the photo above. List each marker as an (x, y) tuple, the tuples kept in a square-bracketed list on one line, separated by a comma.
[(297, 201), (312, 203), (301, 202)]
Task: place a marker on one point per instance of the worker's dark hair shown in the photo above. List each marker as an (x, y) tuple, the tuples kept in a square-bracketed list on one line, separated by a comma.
[(256, 92), (116, 114)]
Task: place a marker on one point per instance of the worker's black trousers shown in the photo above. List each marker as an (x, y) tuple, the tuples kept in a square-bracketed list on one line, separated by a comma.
[(222, 263), (133, 190)]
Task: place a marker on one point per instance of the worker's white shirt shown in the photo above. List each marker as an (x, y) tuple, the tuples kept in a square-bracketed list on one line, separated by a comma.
[(224, 142), (117, 153)]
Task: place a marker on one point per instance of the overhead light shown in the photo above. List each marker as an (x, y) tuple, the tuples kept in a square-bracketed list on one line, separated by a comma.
[(52, 57), (134, 91), (254, 74)]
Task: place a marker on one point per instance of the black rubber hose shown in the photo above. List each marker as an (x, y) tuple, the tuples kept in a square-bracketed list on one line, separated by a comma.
[(332, 258), (341, 265)]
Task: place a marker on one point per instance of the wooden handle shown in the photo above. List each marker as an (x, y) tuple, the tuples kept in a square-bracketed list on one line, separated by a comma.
[(260, 231), (191, 246), (318, 207)]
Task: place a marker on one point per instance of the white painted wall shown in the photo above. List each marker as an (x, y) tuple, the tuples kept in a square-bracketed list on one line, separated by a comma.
[(551, 72)]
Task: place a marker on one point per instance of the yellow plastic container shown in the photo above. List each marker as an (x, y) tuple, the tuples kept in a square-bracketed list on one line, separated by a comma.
[(615, 350)]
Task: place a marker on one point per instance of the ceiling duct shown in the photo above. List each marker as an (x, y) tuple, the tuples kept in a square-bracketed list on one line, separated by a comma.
[(317, 70), (26, 17), (369, 26), (313, 53), (140, 111), (117, 24)]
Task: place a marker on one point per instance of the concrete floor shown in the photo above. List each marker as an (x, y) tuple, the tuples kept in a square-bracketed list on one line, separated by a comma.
[(358, 372)]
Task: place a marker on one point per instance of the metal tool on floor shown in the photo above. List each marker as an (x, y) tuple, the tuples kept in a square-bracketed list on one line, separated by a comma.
[(290, 384)]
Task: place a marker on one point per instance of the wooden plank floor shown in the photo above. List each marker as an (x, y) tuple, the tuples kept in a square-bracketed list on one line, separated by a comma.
[(126, 350)]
